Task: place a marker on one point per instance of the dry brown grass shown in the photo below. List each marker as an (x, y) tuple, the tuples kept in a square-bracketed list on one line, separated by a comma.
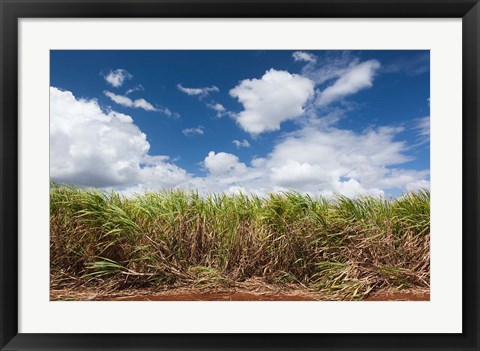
[(343, 249)]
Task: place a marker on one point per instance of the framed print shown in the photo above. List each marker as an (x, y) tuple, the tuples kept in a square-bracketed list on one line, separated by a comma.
[(239, 175)]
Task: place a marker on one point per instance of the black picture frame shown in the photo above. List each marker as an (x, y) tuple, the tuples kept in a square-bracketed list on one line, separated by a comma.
[(11, 11)]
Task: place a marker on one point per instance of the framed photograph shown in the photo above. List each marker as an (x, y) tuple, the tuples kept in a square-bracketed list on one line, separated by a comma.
[(239, 175)]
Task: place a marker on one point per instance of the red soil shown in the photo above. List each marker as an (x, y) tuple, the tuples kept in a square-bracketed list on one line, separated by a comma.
[(242, 296), (217, 296), (227, 295), (399, 296)]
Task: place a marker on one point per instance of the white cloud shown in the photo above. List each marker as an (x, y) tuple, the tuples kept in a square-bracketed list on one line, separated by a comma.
[(304, 56), (217, 107), (423, 128), (319, 162), (144, 104), (222, 163), (277, 97), (117, 77), (202, 92), (328, 66), (241, 143), (167, 112), (417, 185), (411, 65), (336, 160), (194, 131), (356, 78), (127, 102), (220, 110), (90, 147), (132, 90), (291, 173)]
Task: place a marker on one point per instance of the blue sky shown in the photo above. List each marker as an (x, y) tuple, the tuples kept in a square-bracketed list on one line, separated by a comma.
[(321, 122)]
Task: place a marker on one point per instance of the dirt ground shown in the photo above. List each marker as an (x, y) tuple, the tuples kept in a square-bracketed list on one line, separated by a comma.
[(413, 295), (228, 296), (239, 293)]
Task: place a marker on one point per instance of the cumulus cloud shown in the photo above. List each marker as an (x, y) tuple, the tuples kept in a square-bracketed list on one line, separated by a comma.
[(277, 97), (358, 77), (117, 77), (304, 56), (241, 143), (417, 185), (291, 173), (319, 161), (93, 147), (90, 147), (201, 92), (127, 102), (334, 160), (223, 163), (194, 131)]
